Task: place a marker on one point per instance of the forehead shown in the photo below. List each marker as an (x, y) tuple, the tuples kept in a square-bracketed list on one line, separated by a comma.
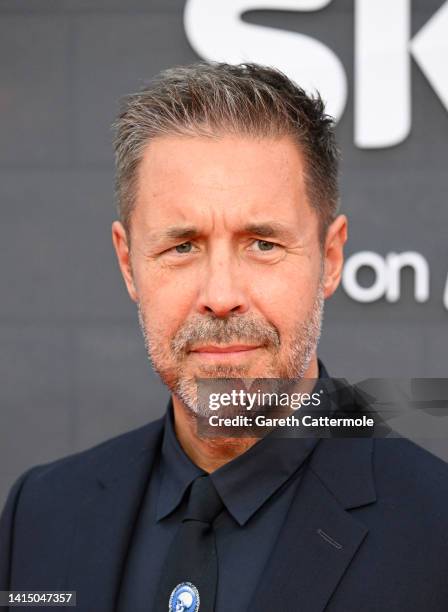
[(227, 177)]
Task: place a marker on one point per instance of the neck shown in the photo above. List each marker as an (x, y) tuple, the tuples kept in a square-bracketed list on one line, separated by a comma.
[(211, 453)]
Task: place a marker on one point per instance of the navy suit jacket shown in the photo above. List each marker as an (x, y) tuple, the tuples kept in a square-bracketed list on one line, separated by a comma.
[(367, 531)]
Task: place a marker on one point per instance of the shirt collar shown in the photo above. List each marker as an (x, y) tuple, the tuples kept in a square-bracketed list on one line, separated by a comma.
[(178, 471), (245, 483)]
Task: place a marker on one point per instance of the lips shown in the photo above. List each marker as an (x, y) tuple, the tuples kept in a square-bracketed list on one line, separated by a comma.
[(234, 348)]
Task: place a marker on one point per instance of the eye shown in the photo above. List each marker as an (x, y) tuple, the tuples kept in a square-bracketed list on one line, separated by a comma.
[(265, 251), (185, 247), (180, 254), (264, 245), (260, 245)]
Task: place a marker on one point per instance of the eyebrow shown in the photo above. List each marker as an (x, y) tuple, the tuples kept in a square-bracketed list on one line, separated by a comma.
[(270, 229), (180, 232)]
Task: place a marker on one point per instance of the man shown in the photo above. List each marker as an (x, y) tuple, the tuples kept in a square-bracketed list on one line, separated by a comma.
[(229, 242)]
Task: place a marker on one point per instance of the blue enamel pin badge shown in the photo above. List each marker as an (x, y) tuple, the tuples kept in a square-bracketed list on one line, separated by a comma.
[(184, 598)]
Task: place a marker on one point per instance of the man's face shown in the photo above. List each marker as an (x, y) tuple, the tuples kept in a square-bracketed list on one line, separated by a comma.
[(225, 262)]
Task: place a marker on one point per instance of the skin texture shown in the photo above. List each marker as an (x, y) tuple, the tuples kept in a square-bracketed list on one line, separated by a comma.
[(205, 281)]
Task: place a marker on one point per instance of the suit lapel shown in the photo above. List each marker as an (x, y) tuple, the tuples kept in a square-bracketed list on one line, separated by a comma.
[(319, 538), (104, 525)]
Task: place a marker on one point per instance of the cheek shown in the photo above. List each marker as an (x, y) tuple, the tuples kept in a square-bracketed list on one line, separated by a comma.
[(165, 299), (286, 296)]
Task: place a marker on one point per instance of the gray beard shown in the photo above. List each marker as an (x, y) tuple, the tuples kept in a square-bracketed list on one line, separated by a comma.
[(205, 329)]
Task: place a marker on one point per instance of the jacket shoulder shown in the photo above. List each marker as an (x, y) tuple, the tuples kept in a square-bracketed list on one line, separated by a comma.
[(73, 470), (43, 505), (404, 469)]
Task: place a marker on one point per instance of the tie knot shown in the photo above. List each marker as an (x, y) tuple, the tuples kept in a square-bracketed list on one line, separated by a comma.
[(204, 503)]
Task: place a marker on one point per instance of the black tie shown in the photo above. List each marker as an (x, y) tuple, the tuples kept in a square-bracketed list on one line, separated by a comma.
[(192, 556)]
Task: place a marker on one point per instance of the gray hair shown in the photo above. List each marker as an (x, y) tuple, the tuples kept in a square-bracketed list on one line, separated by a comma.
[(211, 99)]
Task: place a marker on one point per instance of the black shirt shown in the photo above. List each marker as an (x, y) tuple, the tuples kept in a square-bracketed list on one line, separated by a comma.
[(256, 488)]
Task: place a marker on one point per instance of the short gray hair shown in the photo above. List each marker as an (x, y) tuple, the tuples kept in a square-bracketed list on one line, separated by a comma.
[(210, 99)]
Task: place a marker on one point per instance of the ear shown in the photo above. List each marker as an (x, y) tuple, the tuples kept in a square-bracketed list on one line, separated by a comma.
[(334, 254), (122, 250)]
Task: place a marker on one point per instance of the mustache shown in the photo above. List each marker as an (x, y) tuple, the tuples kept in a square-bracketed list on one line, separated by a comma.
[(238, 328)]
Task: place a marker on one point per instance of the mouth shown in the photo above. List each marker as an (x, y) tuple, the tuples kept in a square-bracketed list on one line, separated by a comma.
[(218, 352)]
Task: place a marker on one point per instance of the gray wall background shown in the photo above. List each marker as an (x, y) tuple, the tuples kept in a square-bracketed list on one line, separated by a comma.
[(73, 365)]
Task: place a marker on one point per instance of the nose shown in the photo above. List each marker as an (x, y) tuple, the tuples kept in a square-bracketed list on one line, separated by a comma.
[(222, 292)]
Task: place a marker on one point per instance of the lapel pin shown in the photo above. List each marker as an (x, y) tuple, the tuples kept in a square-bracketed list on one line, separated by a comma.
[(184, 598)]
